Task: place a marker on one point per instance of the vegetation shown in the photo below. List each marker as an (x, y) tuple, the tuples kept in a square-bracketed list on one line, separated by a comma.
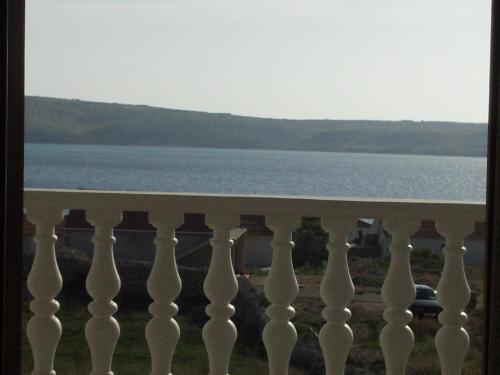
[(366, 356), (368, 275), (310, 245), (366, 322), (50, 120)]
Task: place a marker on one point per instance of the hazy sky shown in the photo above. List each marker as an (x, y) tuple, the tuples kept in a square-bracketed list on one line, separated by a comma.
[(351, 59)]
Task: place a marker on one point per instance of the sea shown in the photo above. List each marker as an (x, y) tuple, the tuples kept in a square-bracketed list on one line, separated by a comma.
[(235, 171)]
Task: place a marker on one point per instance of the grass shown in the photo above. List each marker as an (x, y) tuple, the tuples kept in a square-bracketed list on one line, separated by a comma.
[(369, 274), (366, 326), (132, 355)]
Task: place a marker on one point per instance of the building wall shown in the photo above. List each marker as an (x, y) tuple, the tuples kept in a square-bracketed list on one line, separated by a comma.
[(258, 251), (139, 246), (200, 258), (130, 245)]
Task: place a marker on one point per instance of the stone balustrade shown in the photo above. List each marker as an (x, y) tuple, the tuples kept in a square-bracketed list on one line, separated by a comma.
[(45, 209)]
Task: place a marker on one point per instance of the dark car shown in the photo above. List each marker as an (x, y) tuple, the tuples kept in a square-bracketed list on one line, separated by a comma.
[(425, 302)]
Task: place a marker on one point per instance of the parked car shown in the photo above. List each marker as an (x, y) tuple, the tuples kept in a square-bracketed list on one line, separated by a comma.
[(425, 302)]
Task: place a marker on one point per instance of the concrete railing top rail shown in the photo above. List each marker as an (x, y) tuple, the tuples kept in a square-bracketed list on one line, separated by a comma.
[(255, 204)]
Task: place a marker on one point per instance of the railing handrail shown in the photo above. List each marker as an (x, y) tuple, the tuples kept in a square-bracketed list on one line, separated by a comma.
[(254, 204)]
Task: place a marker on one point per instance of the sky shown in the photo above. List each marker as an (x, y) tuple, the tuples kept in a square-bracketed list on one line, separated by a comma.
[(335, 59)]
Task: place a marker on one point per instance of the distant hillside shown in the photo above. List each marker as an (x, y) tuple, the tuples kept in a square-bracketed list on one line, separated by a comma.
[(50, 120)]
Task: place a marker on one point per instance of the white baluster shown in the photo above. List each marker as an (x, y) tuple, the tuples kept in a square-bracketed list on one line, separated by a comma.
[(164, 286), (280, 288), (221, 286), (336, 290), (103, 284), (398, 293), (453, 294), (44, 283)]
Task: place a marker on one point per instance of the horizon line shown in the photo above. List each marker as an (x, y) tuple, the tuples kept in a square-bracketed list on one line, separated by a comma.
[(255, 116)]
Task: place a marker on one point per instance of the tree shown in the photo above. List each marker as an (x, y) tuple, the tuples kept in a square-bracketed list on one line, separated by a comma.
[(310, 244)]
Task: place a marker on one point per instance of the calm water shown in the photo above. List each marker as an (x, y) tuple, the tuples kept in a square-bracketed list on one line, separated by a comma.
[(254, 172)]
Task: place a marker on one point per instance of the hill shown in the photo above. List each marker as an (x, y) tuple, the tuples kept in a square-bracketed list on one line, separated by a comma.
[(51, 120)]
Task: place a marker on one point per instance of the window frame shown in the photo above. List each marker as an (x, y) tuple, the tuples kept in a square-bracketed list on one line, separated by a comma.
[(12, 29)]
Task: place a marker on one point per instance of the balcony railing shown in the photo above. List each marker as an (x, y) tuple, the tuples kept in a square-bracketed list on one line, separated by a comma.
[(401, 218)]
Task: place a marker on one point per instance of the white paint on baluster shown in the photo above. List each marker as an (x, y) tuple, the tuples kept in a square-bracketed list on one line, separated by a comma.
[(164, 286), (103, 284), (453, 294), (398, 293), (280, 288), (336, 290), (44, 283), (220, 286)]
